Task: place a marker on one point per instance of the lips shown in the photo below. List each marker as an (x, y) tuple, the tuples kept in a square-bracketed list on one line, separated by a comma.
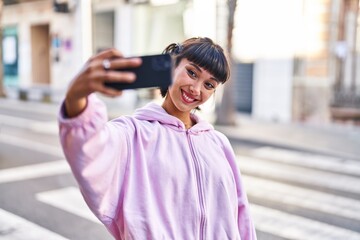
[(187, 98)]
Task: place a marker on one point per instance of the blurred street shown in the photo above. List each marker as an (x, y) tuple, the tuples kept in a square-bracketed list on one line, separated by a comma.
[(302, 181)]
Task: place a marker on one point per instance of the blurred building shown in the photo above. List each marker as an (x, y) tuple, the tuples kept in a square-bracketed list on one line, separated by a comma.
[(41, 46), (45, 42), (296, 60), (299, 59)]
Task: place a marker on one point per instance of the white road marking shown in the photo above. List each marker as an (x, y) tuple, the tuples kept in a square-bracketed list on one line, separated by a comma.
[(269, 162), (34, 171), (14, 121), (49, 127), (13, 227), (45, 127), (308, 160), (31, 145), (31, 107), (301, 197), (68, 199), (297, 228), (262, 168)]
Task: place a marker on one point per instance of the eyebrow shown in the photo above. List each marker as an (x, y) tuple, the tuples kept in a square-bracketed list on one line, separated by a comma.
[(200, 70)]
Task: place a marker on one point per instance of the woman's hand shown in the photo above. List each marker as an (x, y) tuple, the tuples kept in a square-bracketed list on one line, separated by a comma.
[(91, 79)]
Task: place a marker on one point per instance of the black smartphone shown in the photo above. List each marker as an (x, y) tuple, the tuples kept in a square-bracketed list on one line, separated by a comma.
[(155, 71)]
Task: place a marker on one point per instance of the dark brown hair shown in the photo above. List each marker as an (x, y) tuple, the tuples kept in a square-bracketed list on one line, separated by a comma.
[(203, 52)]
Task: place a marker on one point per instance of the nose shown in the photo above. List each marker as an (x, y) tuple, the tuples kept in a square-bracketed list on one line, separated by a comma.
[(195, 89)]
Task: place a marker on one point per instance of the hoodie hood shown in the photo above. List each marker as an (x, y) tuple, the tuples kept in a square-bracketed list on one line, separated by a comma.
[(154, 112)]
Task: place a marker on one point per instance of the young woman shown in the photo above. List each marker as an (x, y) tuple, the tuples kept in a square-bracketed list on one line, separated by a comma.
[(161, 173)]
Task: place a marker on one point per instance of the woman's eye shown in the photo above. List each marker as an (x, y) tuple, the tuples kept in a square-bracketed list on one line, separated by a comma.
[(209, 85), (191, 73)]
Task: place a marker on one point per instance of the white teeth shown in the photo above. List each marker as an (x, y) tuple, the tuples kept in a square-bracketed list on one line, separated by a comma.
[(188, 98)]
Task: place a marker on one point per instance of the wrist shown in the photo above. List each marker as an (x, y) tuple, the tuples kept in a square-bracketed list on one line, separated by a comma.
[(74, 106)]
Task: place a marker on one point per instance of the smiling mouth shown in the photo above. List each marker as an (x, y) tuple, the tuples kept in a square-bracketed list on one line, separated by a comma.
[(187, 98)]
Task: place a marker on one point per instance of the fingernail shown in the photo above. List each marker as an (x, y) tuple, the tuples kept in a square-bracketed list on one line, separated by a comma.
[(137, 60)]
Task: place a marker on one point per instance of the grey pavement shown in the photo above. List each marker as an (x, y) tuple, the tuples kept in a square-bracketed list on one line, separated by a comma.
[(338, 140)]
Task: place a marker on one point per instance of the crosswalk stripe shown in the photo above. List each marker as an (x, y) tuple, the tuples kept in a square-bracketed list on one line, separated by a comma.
[(45, 127), (296, 196), (262, 168), (15, 121), (326, 163), (297, 228), (68, 199), (49, 127), (30, 107), (14, 227), (34, 171), (302, 168), (31, 145)]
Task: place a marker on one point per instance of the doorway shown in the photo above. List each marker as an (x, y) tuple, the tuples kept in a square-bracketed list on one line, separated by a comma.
[(40, 55)]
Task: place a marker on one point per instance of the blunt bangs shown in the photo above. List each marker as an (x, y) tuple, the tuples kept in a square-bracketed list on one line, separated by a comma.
[(209, 58)]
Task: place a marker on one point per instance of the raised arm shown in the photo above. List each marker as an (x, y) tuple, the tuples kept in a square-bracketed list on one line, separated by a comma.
[(91, 78), (96, 149)]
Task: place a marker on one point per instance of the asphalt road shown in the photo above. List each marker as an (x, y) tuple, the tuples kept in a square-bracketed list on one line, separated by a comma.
[(293, 194)]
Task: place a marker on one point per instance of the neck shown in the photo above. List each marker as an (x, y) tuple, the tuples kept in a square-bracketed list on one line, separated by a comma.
[(185, 117), (189, 123)]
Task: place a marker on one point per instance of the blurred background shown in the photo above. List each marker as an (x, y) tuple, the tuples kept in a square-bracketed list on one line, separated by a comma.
[(306, 53), (291, 109)]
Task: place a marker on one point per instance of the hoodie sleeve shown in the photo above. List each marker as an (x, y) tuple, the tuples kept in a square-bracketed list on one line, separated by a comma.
[(245, 222), (97, 152)]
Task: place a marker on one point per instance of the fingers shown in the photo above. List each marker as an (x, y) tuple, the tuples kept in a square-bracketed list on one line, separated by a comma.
[(120, 63), (111, 73), (100, 77), (110, 92), (108, 54), (95, 73), (113, 59), (117, 76), (117, 63)]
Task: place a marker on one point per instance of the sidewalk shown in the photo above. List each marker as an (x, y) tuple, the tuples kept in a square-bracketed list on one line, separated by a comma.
[(330, 139)]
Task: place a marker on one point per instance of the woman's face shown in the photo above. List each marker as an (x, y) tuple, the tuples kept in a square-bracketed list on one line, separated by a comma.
[(192, 86)]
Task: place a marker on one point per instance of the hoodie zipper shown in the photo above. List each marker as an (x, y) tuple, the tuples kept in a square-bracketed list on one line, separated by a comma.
[(199, 187)]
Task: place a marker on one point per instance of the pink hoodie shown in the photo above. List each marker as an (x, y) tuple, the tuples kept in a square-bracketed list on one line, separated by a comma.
[(146, 177)]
